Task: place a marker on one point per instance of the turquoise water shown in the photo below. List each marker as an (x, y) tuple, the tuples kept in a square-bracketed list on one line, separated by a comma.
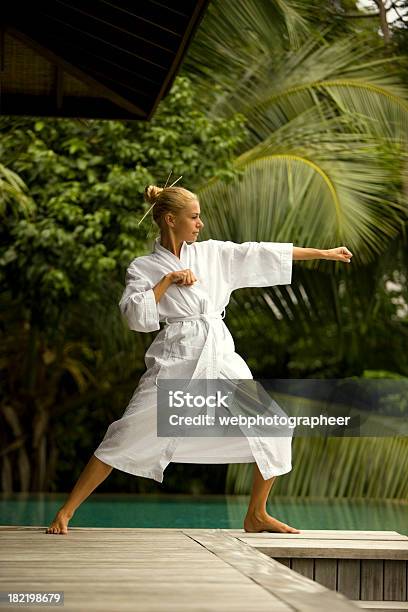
[(210, 511)]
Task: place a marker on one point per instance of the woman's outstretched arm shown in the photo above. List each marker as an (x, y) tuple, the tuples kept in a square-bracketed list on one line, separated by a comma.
[(337, 254)]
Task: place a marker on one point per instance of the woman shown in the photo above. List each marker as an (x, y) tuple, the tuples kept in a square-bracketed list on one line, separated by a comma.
[(187, 284)]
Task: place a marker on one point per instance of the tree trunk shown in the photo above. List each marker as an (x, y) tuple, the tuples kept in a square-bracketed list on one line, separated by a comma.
[(40, 450), (6, 475), (383, 21)]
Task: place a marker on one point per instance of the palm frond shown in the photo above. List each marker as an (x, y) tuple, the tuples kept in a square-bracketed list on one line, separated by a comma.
[(13, 194), (308, 201), (373, 468), (255, 28)]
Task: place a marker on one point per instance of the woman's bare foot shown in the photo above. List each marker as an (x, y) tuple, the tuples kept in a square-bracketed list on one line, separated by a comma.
[(254, 523), (60, 523)]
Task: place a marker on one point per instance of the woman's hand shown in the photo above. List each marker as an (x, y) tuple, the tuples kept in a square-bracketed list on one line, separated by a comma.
[(339, 254), (179, 277), (182, 277)]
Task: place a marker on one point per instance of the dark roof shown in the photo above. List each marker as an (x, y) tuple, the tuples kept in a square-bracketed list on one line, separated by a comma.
[(93, 58)]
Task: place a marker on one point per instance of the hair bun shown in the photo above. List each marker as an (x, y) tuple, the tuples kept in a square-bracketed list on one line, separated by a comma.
[(151, 192)]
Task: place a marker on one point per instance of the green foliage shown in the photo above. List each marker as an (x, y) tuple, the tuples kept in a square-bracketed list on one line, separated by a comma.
[(71, 196), (325, 164), (369, 467), (294, 130), (85, 182)]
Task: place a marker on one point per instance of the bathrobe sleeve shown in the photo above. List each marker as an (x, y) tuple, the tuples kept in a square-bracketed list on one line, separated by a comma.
[(256, 264), (138, 303)]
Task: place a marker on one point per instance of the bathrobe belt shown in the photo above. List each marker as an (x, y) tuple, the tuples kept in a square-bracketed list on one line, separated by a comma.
[(206, 366)]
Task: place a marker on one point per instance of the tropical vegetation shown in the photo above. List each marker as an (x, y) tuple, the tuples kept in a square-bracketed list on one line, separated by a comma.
[(291, 126), (325, 164)]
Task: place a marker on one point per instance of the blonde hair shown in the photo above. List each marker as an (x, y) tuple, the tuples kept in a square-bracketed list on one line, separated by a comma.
[(167, 200)]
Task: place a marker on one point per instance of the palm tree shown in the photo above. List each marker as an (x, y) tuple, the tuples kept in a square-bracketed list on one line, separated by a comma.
[(325, 163)]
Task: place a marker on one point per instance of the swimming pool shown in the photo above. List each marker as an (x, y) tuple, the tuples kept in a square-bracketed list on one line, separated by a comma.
[(209, 511)]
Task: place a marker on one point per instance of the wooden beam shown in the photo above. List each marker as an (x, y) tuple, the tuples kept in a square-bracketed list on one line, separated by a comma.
[(74, 106), (76, 72), (59, 87), (194, 22), (2, 49)]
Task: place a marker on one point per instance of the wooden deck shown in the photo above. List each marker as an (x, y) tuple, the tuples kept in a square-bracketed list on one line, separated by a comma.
[(366, 566), (178, 569)]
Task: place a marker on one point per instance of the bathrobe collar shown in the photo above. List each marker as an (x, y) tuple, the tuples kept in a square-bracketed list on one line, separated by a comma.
[(160, 250)]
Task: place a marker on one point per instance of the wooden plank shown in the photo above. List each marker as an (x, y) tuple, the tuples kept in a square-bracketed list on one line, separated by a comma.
[(298, 592), (383, 606), (395, 580), (164, 597), (326, 573), (319, 533), (372, 577), (338, 549), (95, 530), (322, 535), (348, 577), (149, 572), (305, 567)]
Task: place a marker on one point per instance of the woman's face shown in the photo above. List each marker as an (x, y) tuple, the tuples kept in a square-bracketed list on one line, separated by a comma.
[(188, 223)]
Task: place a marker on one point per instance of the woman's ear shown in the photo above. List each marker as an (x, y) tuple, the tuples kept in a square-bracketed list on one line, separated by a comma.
[(170, 220)]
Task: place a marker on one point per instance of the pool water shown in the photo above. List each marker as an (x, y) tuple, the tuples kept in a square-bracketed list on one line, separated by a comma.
[(210, 511)]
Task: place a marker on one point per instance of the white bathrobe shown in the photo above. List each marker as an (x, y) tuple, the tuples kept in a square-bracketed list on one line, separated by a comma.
[(194, 343)]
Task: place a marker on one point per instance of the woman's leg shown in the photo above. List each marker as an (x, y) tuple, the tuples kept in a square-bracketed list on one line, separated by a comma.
[(257, 518), (91, 476)]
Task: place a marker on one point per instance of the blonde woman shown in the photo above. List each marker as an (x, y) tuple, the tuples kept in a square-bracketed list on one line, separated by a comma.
[(186, 284)]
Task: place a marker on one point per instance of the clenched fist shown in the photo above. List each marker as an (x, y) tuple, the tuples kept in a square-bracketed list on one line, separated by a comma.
[(339, 254), (182, 277)]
